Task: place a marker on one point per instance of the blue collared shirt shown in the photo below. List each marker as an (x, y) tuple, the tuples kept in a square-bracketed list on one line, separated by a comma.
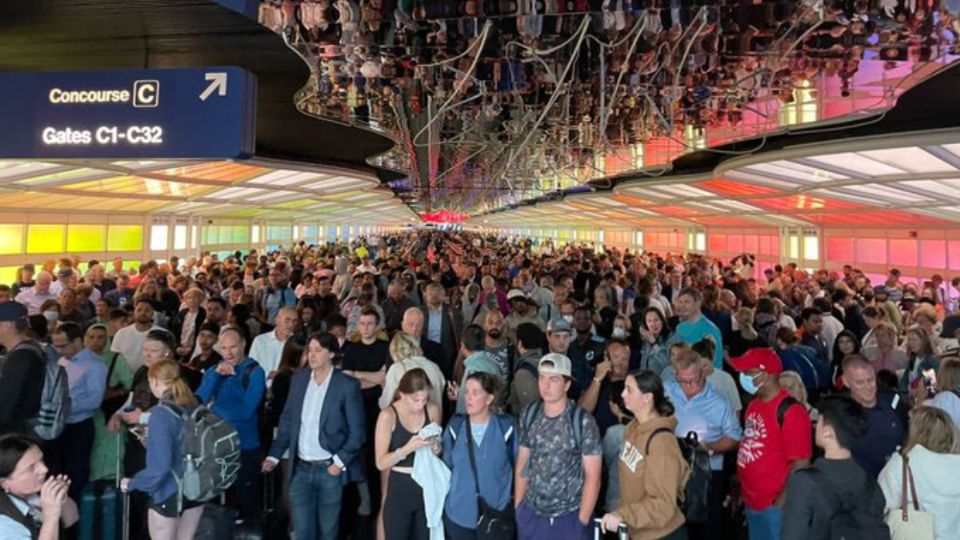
[(708, 414), (87, 376), (234, 403), (435, 326)]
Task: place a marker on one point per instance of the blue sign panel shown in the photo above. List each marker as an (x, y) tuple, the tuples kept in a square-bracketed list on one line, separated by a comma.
[(205, 112)]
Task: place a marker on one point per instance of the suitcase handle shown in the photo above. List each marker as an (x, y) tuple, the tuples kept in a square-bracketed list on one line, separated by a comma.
[(598, 530)]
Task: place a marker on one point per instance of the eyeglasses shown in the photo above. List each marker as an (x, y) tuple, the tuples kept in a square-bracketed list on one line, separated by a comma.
[(690, 382)]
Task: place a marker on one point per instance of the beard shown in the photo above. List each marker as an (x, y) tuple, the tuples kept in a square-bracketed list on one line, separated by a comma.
[(495, 334)]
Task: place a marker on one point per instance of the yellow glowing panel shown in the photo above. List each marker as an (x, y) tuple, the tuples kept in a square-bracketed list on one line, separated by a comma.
[(8, 274), (45, 238), (86, 237), (11, 240), (125, 238), (142, 186)]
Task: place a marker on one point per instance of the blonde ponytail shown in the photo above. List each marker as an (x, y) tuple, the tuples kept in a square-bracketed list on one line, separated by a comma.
[(167, 373)]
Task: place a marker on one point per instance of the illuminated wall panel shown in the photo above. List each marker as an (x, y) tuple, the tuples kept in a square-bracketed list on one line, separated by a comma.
[(86, 237), (717, 242), (933, 253), (8, 274), (45, 238), (750, 243), (11, 239), (903, 251), (735, 243), (871, 250), (953, 254), (125, 238), (840, 250)]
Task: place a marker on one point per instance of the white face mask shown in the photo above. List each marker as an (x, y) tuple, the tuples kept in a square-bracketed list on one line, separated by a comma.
[(568, 318), (51, 316), (619, 332)]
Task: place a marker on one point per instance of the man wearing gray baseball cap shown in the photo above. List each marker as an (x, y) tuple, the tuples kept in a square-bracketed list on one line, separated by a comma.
[(559, 464)]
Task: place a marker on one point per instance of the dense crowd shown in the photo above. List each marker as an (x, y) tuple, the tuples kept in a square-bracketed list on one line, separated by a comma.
[(456, 385)]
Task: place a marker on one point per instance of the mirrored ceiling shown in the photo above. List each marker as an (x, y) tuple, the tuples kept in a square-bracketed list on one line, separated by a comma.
[(493, 102)]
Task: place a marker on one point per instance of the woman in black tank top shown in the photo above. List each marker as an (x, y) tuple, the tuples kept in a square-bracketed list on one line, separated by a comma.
[(396, 444)]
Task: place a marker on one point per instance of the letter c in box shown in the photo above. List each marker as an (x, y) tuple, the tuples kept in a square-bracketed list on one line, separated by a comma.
[(146, 94)]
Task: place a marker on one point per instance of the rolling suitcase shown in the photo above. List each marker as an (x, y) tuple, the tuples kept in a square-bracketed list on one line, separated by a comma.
[(598, 530)]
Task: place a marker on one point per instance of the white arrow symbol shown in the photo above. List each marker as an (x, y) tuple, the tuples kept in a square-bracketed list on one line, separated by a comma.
[(218, 83)]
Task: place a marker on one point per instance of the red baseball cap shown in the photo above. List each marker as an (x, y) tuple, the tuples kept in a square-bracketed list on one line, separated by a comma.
[(765, 359)]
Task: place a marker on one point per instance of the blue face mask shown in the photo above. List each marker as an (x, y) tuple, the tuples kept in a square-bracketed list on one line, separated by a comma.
[(746, 382)]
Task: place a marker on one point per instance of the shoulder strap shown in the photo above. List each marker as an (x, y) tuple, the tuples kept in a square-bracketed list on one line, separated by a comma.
[(783, 408), (576, 416), (9, 509), (113, 364), (530, 415), (646, 449), (245, 375)]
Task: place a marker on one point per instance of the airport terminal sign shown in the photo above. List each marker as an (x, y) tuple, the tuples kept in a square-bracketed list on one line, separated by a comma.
[(128, 114)]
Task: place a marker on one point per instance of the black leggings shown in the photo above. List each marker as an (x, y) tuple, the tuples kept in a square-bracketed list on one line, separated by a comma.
[(404, 517)]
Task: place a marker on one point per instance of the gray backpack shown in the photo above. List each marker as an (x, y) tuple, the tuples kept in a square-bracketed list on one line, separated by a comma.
[(211, 453), (55, 400)]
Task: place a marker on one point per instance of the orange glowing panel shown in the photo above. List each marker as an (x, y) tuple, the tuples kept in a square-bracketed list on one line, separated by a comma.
[(724, 221), (630, 200), (733, 188), (675, 210), (221, 171), (803, 203), (619, 161)]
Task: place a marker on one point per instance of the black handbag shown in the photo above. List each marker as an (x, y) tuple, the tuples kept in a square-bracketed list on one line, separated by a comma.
[(112, 404), (491, 522)]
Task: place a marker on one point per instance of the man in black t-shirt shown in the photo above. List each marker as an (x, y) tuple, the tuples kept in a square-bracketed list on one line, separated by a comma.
[(366, 360), (22, 371)]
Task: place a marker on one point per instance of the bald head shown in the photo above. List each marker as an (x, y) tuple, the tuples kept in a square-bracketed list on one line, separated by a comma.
[(412, 323)]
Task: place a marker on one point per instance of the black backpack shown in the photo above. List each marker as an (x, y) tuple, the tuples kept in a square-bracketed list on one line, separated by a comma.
[(696, 494), (851, 520)]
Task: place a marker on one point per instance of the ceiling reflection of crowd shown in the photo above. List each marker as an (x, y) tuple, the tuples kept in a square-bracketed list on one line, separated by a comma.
[(497, 101)]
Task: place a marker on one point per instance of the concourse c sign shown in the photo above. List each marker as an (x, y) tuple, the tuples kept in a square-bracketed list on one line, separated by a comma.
[(199, 113)]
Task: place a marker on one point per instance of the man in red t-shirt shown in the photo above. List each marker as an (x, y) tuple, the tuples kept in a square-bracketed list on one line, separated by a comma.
[(776, 441)]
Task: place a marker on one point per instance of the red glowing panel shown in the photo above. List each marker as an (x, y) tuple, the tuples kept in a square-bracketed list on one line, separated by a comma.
[(631, 200), (953, 254), (675, 239), (735, 243), (933, 253), (871, 250), (717, 242), (803, 203), (839, 249), (617, 162), (444, 216), (903, 251), (878, 218), (733, 188), (770, 245), (750, 244), (675, 210)]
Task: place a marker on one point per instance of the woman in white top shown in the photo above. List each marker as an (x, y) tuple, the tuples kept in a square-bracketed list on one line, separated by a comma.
[(407, 355), (948, 383), (32, 505), (931, 454)]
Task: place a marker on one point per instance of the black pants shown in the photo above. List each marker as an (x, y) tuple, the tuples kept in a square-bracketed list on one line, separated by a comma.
[(404, 517), (69, 454), (716, 526), (244, 495)]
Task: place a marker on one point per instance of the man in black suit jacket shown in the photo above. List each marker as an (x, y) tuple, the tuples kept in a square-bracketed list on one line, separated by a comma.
[(447, 334), (322, 425)]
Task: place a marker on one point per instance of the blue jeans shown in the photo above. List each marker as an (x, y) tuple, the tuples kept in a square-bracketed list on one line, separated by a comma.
[(315, 498), (765, 524)]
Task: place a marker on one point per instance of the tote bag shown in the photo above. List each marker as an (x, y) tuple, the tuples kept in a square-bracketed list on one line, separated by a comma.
[(908, 522)]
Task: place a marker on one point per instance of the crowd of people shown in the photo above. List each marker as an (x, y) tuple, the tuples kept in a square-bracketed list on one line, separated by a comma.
[(457, 385)]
